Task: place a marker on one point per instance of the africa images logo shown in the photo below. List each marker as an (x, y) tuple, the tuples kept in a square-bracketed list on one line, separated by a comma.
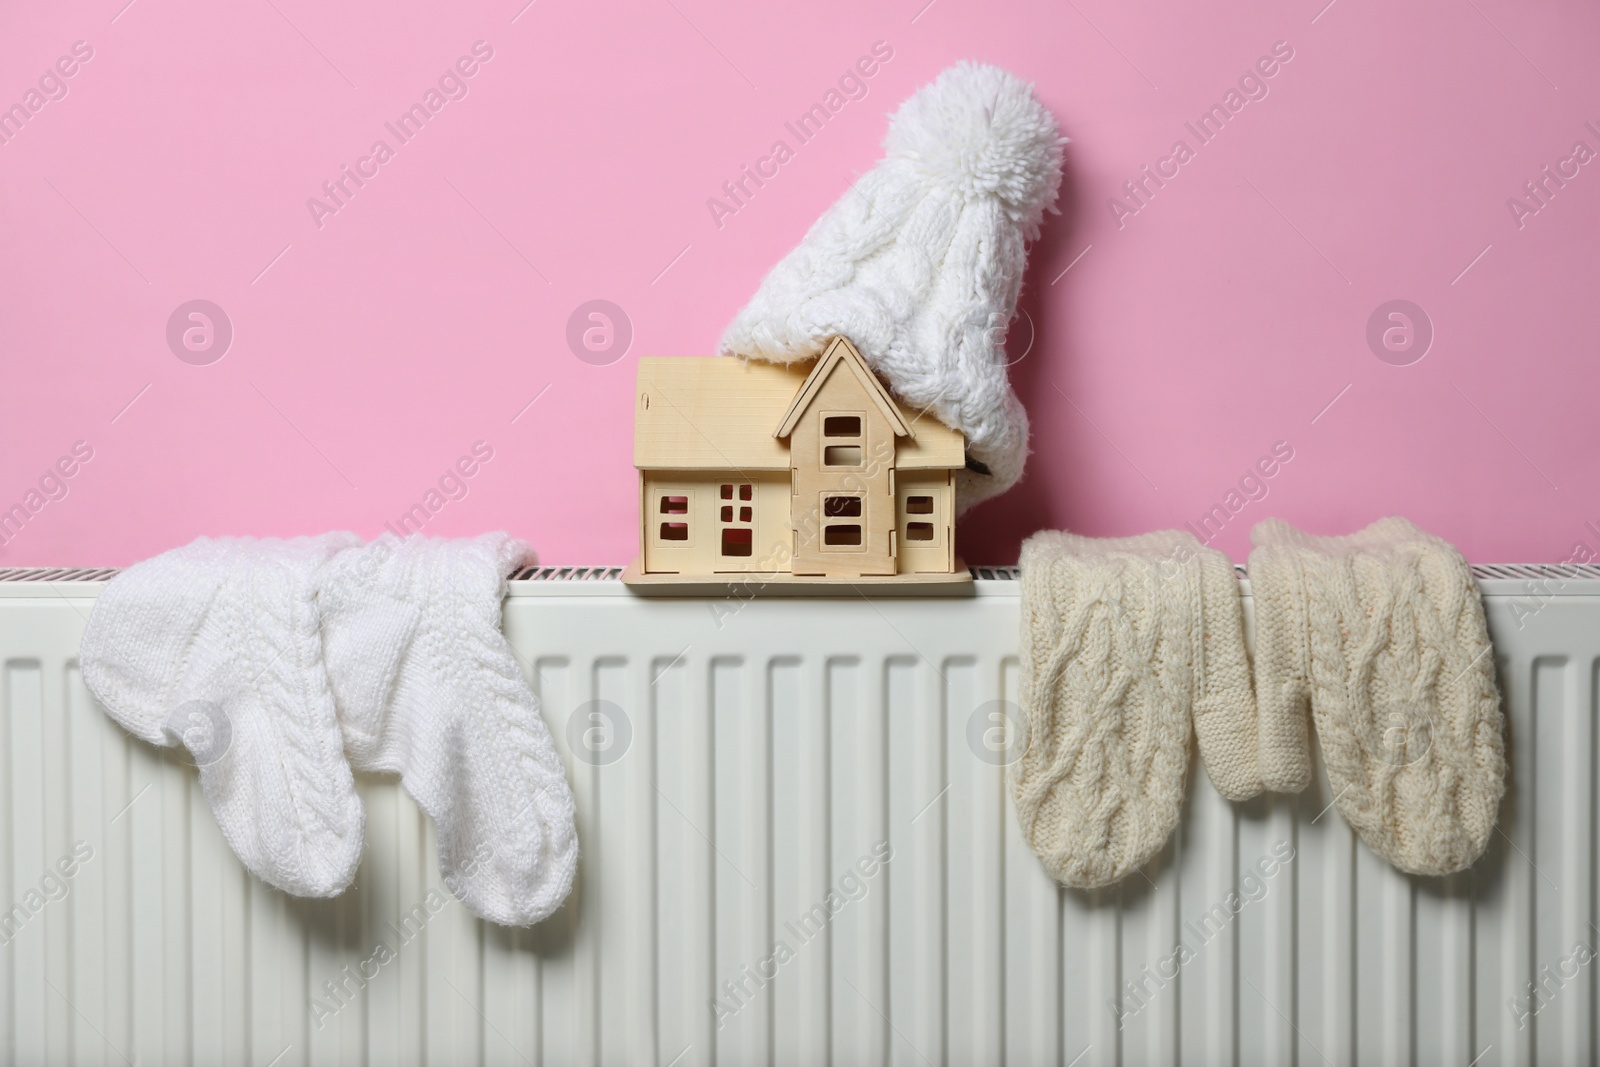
[(1252, 86), (453, 84), (851, 86)]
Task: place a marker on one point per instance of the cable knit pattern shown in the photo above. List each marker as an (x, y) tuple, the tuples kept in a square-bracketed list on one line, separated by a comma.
[(1383, 633), (318, 654), (920, 264), (1122, 641), (429, 688), (230, 627)]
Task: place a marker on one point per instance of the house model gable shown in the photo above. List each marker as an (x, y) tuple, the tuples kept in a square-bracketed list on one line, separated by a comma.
[(841, 355)]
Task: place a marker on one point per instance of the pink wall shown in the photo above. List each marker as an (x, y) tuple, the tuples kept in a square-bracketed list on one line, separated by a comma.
[(388, 338)]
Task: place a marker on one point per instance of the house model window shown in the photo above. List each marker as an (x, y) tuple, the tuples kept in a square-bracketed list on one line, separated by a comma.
[(919, 530), (841, 522), (841, 440), (674, 529), (738, 535), (800, 470)]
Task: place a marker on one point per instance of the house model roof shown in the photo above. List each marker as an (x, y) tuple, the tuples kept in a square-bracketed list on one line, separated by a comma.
[(716, 413)]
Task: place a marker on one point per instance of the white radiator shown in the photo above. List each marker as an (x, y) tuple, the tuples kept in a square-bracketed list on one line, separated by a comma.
[(742, 761)]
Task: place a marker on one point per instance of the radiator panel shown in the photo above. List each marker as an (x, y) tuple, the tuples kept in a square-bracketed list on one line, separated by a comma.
[(758, 753)]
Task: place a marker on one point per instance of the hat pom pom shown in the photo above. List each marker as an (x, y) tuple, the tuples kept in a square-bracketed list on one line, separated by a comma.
[(981, 131)]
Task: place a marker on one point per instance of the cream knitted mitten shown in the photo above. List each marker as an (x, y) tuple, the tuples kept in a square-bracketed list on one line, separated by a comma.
[(1123, 640), (1383, 632), (217, 645), (428, 688)]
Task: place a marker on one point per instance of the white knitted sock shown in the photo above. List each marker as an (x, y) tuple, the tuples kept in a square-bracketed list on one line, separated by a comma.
[(1123, 640), (429, 688), (217, 645), (1383, 631)]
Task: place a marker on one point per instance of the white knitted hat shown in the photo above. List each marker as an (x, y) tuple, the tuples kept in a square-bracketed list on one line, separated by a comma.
[(921, 262)]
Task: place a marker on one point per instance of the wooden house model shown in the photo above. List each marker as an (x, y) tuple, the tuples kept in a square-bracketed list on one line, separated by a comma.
[(792, 472)]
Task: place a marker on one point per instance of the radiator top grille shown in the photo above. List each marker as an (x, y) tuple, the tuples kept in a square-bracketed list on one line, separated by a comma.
[(1537, 572), (1504, 579), (57, 574), (568, 574)]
